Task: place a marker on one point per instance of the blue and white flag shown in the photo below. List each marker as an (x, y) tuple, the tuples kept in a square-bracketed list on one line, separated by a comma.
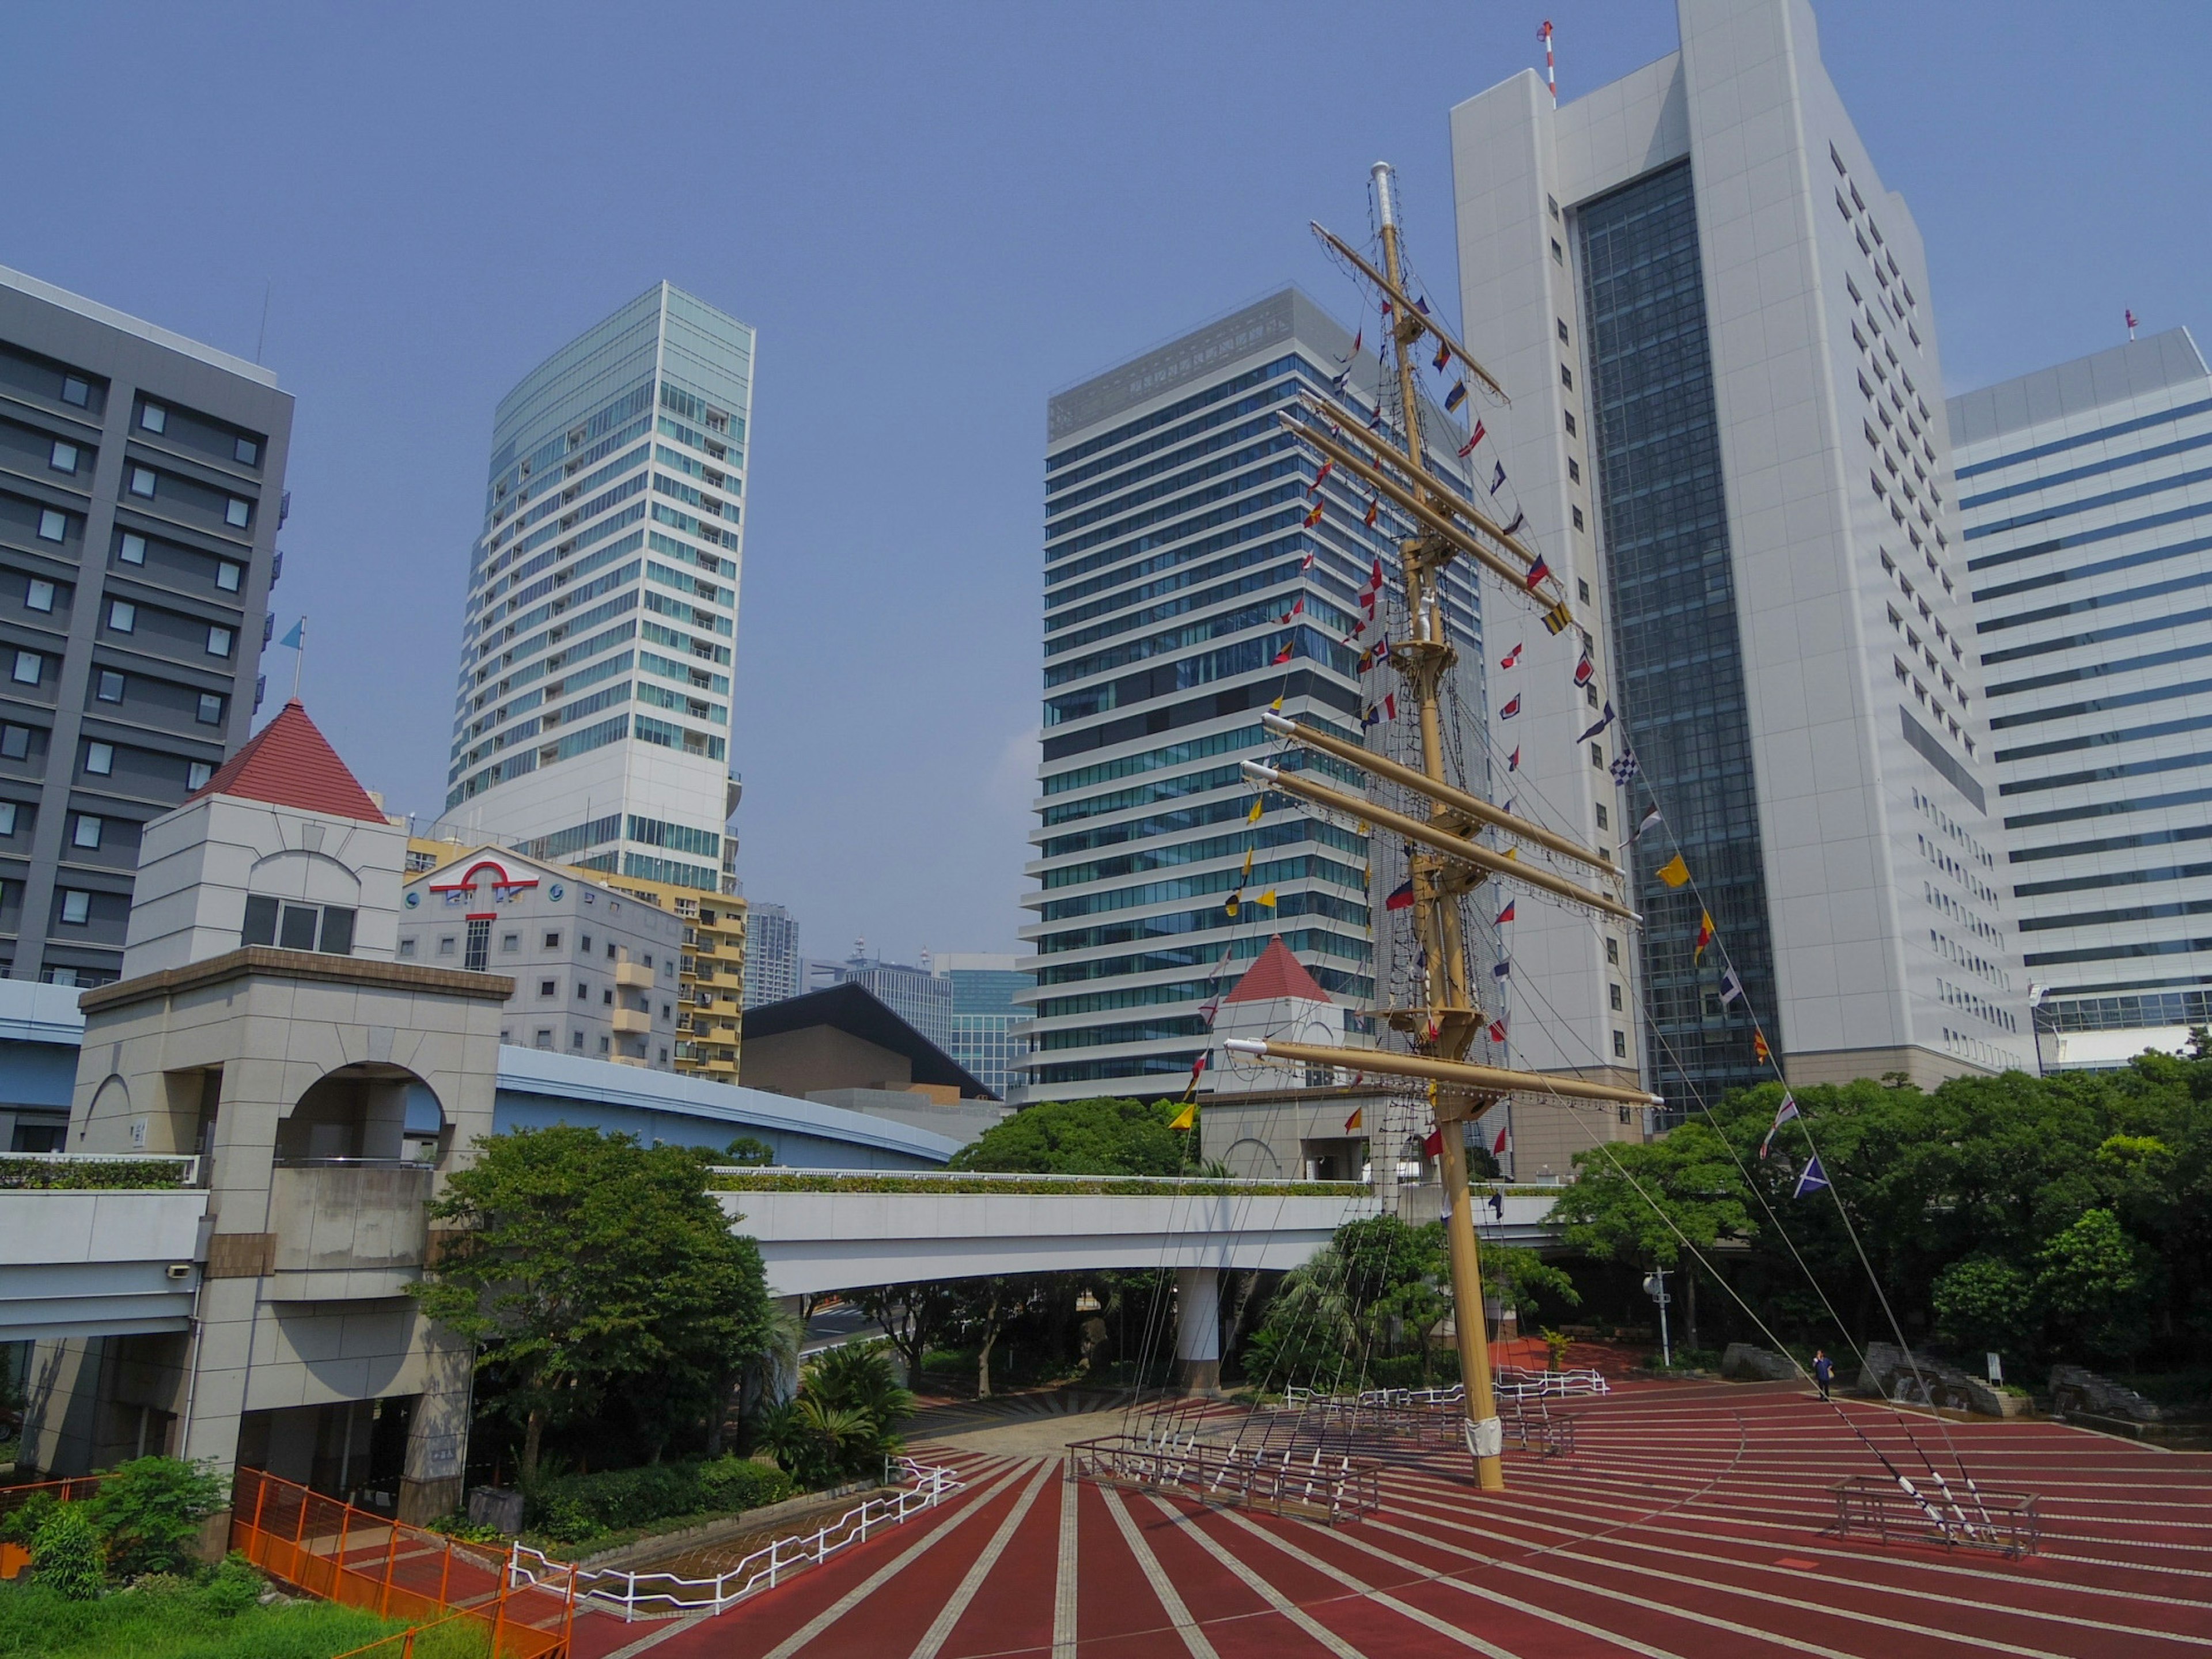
[(297, 637), (1813, 1179), (1731, 987), (1782, 1113), (1603, 720)]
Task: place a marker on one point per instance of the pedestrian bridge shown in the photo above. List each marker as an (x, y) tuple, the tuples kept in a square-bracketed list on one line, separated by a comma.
[(821, 1231)]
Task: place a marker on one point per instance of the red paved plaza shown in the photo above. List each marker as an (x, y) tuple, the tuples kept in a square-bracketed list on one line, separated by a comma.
[(1686, 1524)]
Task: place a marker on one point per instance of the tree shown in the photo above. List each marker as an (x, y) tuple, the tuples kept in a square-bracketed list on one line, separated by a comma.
[(583, 1264), (913, 1316), (1979, 1302), (66, 1554), (1080, 1137), (749, 1151), (2094, 1284)]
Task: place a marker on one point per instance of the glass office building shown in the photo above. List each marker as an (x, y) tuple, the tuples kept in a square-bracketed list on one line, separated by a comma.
[(592, 719), (1184, 592), (2085, 493), (988, 1034)]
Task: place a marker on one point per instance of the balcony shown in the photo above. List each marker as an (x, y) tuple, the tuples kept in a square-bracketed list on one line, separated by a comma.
[(632, 1022), (634, 976), (346, 1229)]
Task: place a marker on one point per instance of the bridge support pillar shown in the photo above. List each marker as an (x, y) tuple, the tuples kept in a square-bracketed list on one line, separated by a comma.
[(1197, 1329)]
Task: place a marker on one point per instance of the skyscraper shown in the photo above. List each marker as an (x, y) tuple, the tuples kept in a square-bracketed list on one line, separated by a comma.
[(772, 961), (591, 723), (987, 992), (2088, 543), (1715, 324), (142, 484), (1188, 585)]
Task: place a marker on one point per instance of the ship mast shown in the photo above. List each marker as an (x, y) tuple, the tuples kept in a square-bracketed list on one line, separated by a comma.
[(1444, 861)]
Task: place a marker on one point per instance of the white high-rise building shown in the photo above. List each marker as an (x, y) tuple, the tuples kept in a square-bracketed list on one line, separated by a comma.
[(773, 966), (2085, 492), (1729, 433), (591, 724)]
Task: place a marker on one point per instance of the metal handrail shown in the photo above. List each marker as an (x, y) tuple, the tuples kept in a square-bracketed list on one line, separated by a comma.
[(762, 1569)]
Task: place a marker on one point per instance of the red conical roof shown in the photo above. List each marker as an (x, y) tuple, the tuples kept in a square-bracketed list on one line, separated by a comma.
[(290, 763), (1277, 974)]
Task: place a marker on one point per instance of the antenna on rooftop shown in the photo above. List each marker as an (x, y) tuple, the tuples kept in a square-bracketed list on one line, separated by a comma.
[(1551, 76), (2132, 323)]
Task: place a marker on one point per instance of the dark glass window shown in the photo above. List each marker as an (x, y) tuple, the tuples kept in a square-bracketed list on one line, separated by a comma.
[(1656, 450)]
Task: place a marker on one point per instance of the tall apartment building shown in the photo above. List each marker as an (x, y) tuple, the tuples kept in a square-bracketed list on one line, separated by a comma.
[(591, 721), (986, 1011), (1179, 570), (772, 964), (141, 486), (2087, 500), (1715, 324)]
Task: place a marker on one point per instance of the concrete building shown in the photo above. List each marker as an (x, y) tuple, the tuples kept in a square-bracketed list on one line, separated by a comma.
[(1185, 592), (844, 1047), (142, 484), (592, 719), (2088, 512), (772, 964), (989, 1035), (1727, 424), (594, 970)]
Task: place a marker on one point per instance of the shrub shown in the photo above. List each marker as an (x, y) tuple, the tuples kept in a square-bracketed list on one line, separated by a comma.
[(67, 1556), (23, 1525), (737, 1483), (573, 1507), (233, 1587), (149, 1510)]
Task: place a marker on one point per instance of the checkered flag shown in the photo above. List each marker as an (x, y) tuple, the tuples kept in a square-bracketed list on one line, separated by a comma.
[(1624, 767)]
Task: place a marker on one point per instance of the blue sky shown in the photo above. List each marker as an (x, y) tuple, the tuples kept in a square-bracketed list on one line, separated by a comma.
[(935, 215)]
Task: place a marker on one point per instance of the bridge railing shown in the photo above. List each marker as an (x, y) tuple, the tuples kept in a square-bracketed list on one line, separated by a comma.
[(777, 1178)]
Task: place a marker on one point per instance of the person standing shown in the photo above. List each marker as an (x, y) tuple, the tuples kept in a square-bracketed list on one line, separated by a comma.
[(1824, 1370)]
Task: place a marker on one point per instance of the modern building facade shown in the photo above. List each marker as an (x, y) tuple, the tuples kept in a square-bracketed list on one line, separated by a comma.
[(1728, 423), (986, 1011), (140, 488), (594, 969), (772, 964), (592, 719), (2086, 495), (1185, 590)]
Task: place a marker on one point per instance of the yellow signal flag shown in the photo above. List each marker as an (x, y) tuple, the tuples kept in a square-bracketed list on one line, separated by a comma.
[(1277, 705), (1512, 852), (1759, 1051), (1234, 900), (1673, 872), (1258, 807), (1353, 1122), (1247, 860), (1187, 1118), (1268, 898)]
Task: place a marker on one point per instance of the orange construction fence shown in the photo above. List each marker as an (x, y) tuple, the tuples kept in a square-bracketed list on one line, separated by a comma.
[(362, 1559), (14, 1558)]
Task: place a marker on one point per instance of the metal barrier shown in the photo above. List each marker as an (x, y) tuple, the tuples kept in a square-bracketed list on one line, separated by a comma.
[(1313, 1484), (1512, 1382), (14, 1558), (664, 1596), (359, 1559), (2003, 1523)]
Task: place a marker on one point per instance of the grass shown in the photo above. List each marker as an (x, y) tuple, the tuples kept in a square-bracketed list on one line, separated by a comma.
[(182, 1624)]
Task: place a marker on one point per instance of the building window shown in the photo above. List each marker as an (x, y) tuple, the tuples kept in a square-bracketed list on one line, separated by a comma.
[(479, 948), (582, 989), (1601, 815), (1620, 1045), (76, 906), (218, 641), (133, 550), (1566, 377), (99, 758), (584, 940), (1571, 422), (510, 941), (229, 576), (1578, 517), (605, 1045), (1582, 590), (76, 390), (28, 667), (576, 1040), (8, 810), (111, 686), (1612, 996), (1597, 756), (39, 596), (544, 1037), (197, 774), (210, 709), (62, 457), (88, 831), (406, 947), (553, 941), (1563, 329), (1574, 470), (237, 513), (1613, 952), (247, 451), (547, 988), (153, 418), (1559, 254), (445, 946), (52, 526), (123, 615), (141, 481)]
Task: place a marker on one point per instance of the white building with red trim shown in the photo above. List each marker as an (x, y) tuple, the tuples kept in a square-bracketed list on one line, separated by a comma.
[(594, 970)]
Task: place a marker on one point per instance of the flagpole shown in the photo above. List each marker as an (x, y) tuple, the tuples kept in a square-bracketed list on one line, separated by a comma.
[(299, 656)]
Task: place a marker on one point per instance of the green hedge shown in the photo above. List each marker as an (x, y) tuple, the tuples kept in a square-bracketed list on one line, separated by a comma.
[(784, 1181), (573, 1507), (126, 1174)]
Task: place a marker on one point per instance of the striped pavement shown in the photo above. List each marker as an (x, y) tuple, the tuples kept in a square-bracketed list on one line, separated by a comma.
[(1690, 1522)]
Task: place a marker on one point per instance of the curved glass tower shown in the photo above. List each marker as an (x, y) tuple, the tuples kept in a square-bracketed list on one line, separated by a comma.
[(592, 718)]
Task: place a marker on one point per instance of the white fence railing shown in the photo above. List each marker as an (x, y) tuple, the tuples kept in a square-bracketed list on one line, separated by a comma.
[(665, 1595), (1507, 1382), (1511, 1382)]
